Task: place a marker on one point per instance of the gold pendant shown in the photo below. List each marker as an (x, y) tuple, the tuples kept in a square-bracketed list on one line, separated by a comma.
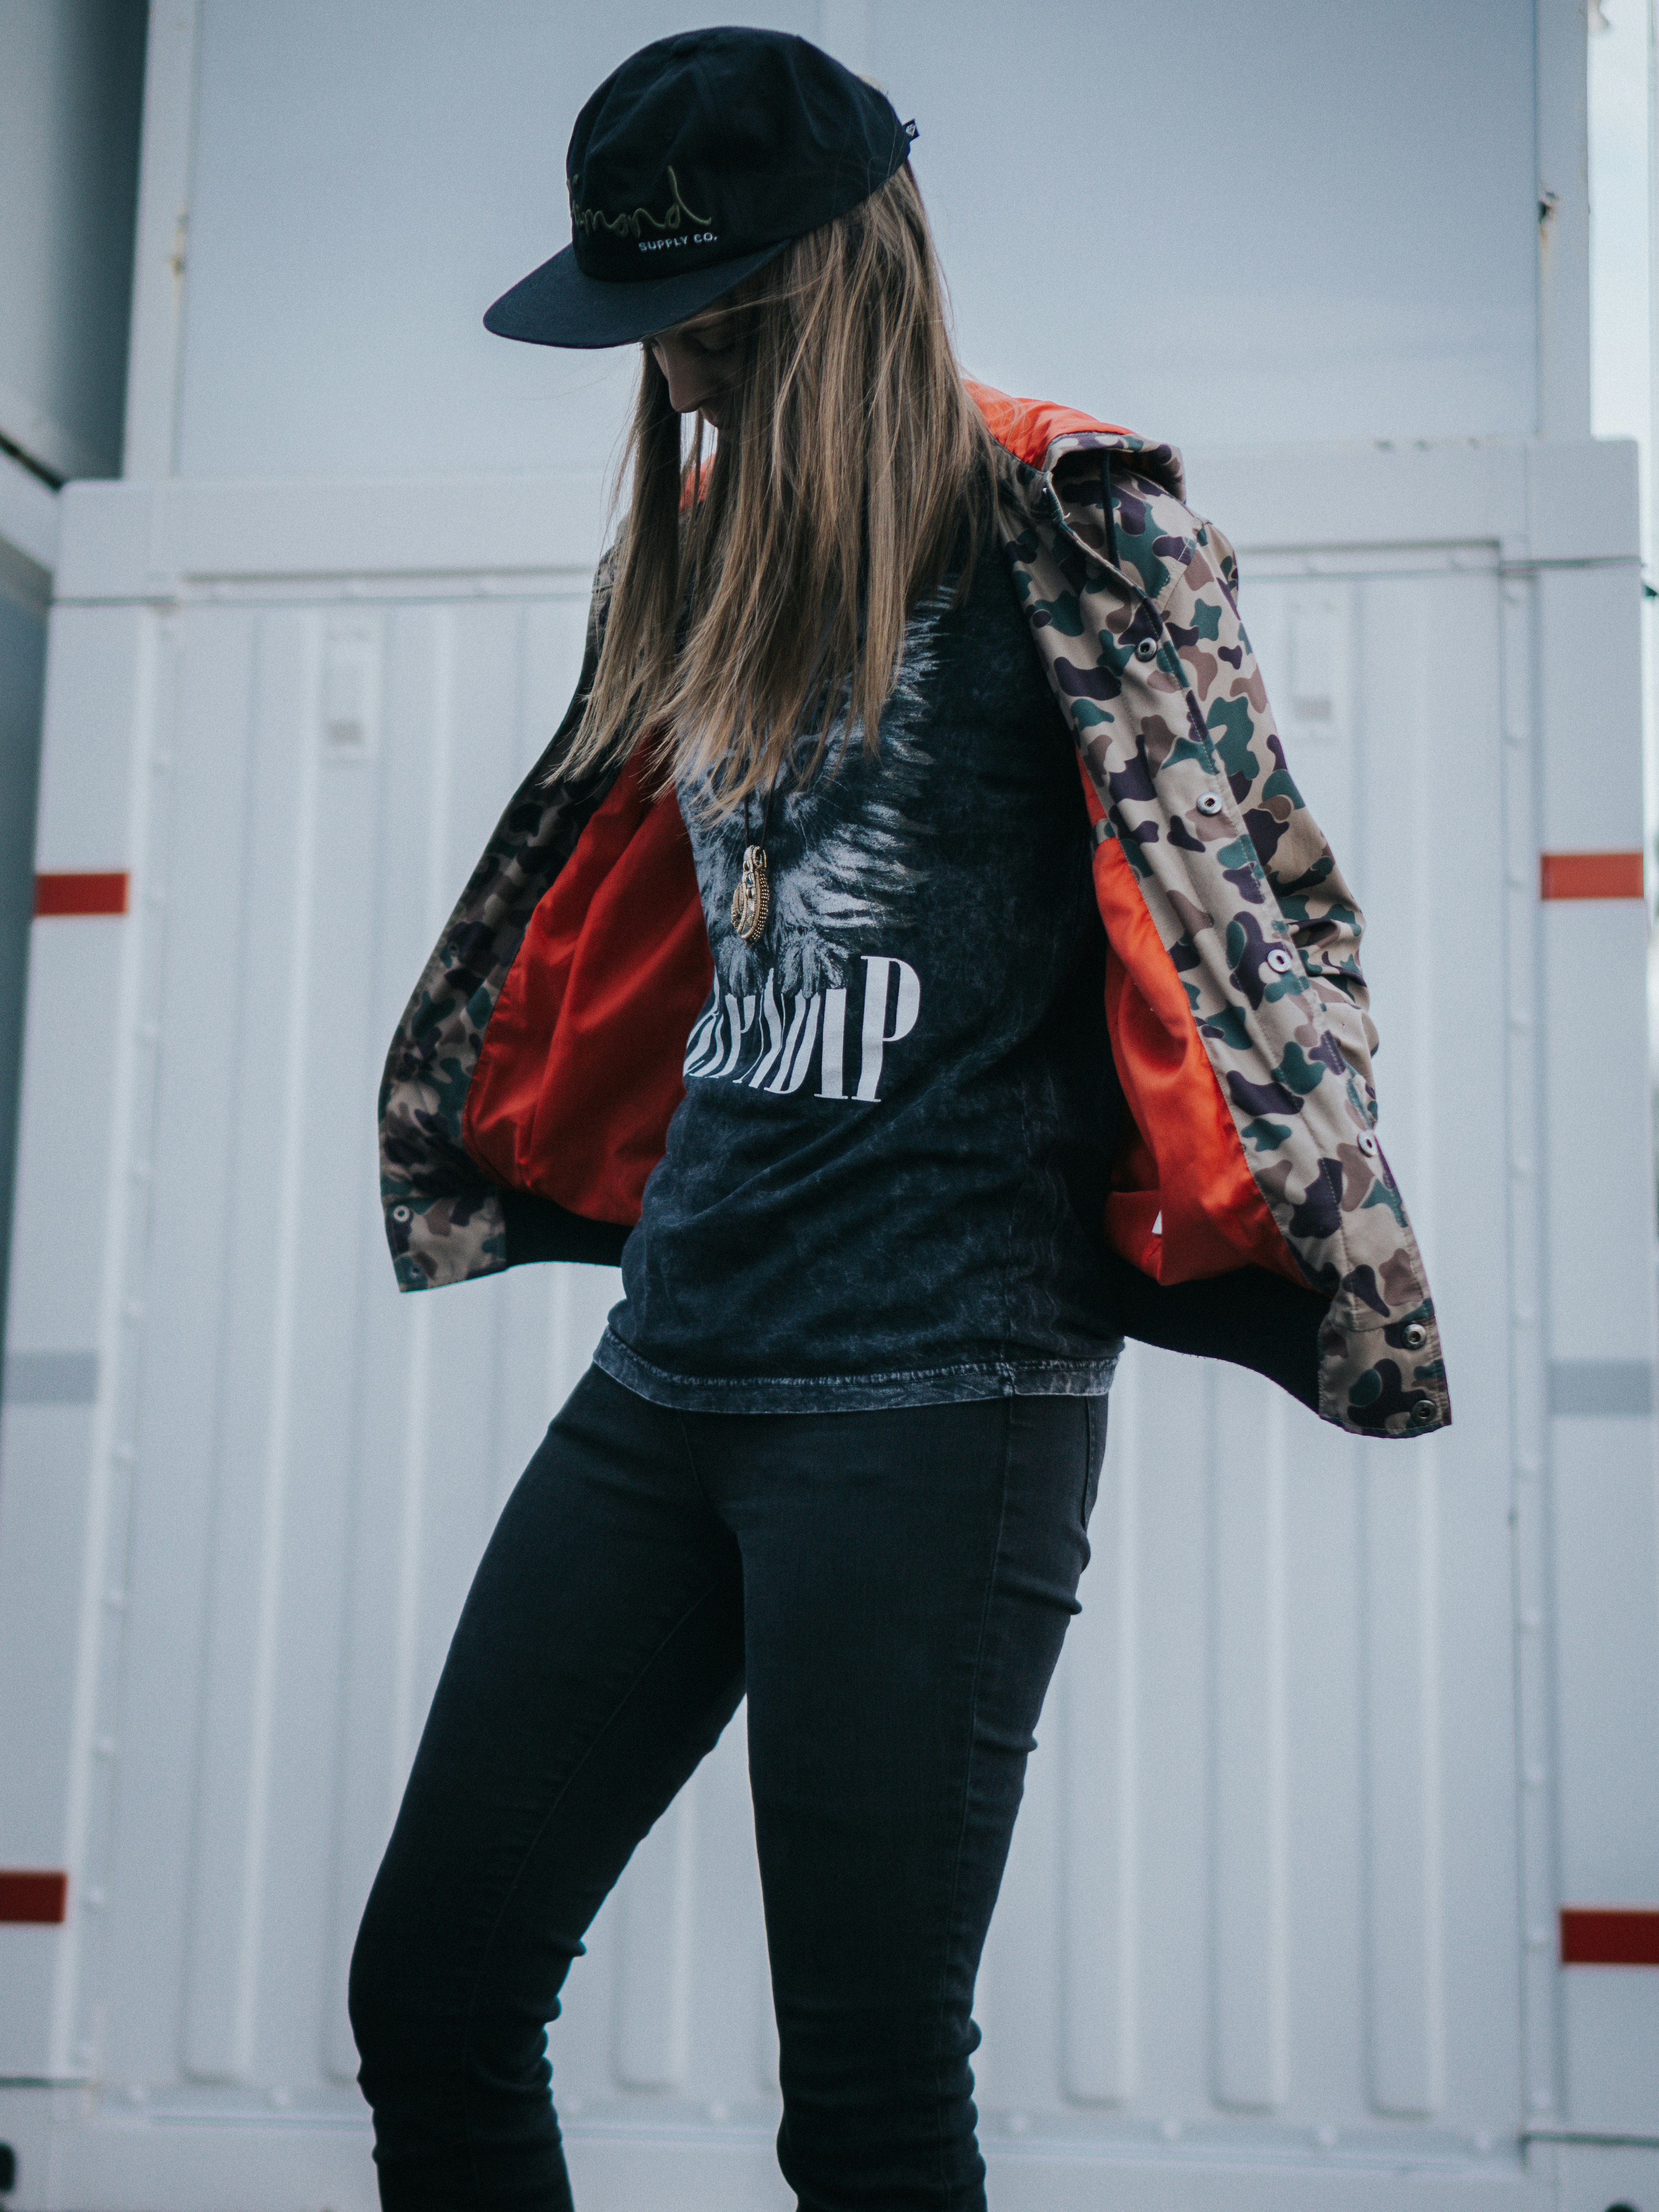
[(752, 900)]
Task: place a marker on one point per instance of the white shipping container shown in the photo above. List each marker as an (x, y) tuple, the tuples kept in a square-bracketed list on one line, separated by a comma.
[(1345, 1727)]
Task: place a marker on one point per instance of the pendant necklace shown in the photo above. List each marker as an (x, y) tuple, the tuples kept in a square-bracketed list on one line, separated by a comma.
[(752, 900)]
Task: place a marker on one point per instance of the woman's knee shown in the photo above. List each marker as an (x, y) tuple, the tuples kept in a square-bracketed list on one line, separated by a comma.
[(393, 1991)]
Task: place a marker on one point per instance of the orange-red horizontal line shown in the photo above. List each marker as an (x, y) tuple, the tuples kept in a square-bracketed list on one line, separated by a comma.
[(1561, 875), (66, 893), (33, 1895), (1610, 1936), (1589, 875)]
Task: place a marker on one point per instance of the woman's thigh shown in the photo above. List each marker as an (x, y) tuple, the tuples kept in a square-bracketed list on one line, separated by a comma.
[(596, 1661), (908, 1577)]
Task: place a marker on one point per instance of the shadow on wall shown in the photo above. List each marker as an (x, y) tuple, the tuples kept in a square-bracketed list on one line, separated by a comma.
[(23, 674), (71, 87)]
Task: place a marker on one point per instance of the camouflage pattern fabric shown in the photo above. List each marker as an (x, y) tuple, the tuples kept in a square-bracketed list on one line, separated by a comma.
[(1155, 675)]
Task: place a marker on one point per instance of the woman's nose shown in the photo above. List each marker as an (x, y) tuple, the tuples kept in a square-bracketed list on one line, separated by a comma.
[(686, 391), (691, 384)]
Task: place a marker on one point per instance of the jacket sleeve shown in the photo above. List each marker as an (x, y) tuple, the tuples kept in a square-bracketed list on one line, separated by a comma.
[(1198, 603), (445, 1219)]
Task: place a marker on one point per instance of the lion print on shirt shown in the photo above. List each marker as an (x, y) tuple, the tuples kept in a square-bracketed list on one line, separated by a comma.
[(842, 860)]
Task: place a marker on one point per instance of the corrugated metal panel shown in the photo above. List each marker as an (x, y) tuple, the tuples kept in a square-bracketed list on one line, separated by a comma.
[(1271, 1906)]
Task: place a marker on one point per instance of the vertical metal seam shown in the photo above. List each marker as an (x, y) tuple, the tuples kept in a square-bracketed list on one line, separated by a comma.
[(1529, 1500), (287, 1273), (151, 425), (1125, 1539), (417, 1449), (106, 1631)]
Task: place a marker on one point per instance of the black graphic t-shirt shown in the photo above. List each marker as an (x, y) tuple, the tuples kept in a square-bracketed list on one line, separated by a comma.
[(884, 1185)]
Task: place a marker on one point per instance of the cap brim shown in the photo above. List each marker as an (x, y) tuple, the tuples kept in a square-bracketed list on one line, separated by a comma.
[(559, 304)]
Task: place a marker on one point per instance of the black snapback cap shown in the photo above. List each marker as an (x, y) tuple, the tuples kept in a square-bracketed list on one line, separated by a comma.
[(694, 165)]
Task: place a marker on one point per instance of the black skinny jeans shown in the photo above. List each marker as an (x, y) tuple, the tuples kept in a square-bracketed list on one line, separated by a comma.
[(891, 1589)]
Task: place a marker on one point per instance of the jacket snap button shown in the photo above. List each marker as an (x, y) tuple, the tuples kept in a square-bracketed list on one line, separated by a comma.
[(1279, 961), (1416, 1336), (1423, 1412), (1209, 802), (1147, 649), (1367, 1143), (400, 1213)]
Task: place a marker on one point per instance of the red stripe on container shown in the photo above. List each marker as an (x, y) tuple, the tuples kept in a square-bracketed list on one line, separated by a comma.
[(75, 894), (40, 1898), (1610, 1936), (69, 893), (1589, 875)]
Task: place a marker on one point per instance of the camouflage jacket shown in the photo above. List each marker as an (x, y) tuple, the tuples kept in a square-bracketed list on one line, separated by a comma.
[(1253, 1217)]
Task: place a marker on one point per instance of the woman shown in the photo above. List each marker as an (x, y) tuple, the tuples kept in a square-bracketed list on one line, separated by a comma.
[(905, 1069)]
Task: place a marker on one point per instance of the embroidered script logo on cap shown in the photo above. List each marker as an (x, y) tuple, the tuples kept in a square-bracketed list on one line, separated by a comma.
[(769, 138), (629, 223)]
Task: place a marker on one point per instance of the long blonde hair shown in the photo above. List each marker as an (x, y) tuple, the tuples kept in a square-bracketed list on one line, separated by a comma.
[(769, 587)]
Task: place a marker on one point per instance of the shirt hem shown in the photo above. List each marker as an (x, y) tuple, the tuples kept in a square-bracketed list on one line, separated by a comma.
[(854, 1394)]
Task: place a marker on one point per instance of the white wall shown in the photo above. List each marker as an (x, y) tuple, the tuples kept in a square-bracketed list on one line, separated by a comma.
[(1221, 223)]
